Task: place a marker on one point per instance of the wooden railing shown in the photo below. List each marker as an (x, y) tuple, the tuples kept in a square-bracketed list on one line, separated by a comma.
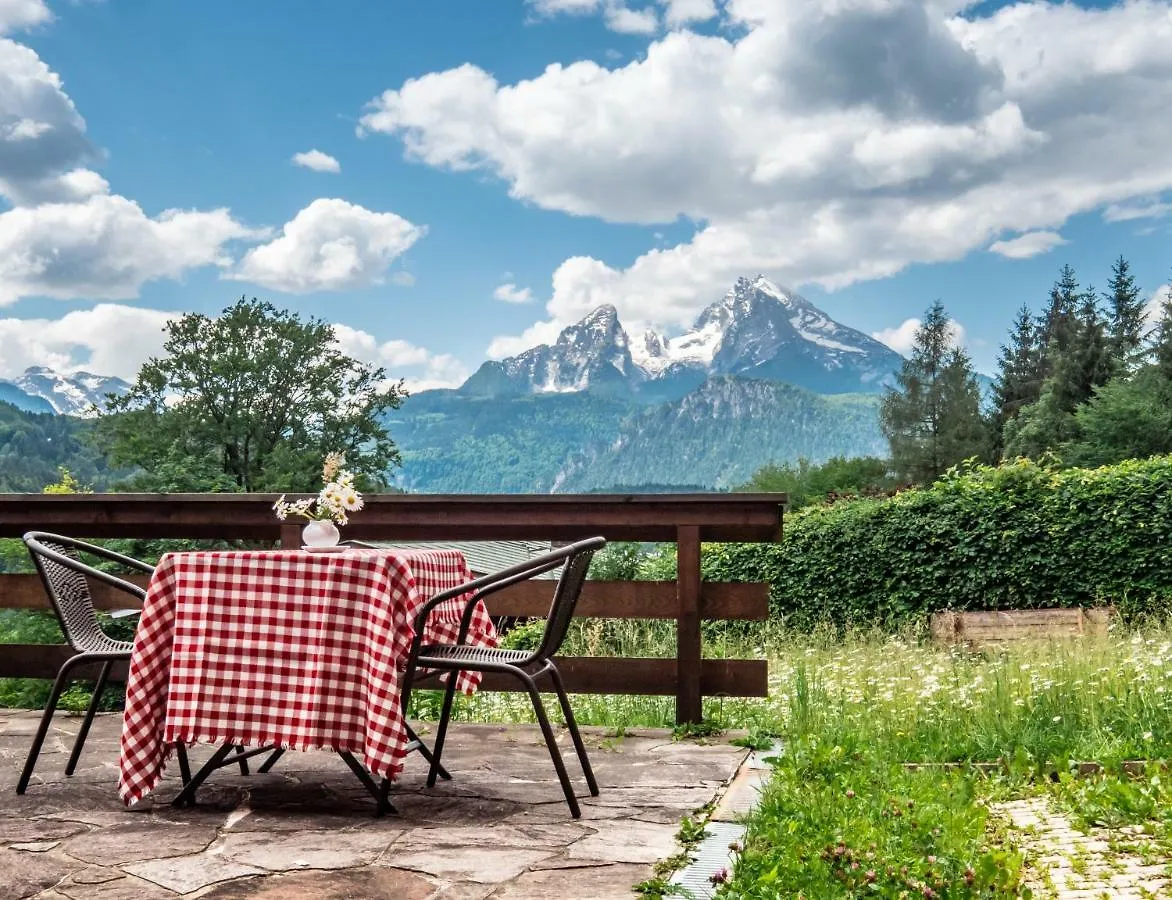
[(685, 519)]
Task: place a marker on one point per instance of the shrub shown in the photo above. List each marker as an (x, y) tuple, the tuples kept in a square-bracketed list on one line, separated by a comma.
[(1016, 536)]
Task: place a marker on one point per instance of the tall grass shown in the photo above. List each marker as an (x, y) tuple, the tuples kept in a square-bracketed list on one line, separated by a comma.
[(1103, 698)]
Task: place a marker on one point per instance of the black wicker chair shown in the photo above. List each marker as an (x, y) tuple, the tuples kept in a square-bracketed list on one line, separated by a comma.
[(526, 666), (67, 581)]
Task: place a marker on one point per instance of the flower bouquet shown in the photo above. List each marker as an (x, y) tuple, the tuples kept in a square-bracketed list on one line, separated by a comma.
[(330, 508)]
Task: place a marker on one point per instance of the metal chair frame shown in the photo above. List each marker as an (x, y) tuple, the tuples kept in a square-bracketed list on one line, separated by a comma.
[(66, 580), (525, 666)]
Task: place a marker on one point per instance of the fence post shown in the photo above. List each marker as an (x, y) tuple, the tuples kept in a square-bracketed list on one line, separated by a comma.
[(688, 646)]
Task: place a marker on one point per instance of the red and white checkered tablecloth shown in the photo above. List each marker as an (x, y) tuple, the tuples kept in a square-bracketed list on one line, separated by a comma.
[(296, 649)]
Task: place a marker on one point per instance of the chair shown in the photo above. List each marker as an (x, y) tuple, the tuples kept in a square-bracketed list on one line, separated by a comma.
[(67, 581), (526, 666)]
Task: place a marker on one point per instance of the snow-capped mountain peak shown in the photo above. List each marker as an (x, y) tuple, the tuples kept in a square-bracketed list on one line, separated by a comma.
[(73, 395), (757, 329)]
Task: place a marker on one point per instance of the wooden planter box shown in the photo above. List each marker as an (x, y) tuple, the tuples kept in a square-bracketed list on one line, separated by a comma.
[(979, 628)]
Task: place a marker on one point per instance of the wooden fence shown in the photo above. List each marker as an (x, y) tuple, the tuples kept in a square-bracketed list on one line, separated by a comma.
[(685, 519)]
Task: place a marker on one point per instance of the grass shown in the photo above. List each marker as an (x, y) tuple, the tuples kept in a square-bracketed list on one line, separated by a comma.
[(845, 817)]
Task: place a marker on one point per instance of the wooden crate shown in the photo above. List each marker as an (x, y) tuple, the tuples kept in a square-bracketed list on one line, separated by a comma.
[(978, 628)]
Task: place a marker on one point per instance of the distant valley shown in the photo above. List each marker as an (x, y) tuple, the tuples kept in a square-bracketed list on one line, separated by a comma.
[(762, 376)]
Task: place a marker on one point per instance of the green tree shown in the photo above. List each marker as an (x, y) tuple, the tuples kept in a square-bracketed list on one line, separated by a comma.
[(932, 419), (1019, 374), (1129, 418), (1056, 327), (1125, 331), (250, 401), (806, 483), (1161, 352)]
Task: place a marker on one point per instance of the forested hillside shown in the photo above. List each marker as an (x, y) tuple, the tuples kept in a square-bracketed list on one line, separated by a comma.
[(34, 446)]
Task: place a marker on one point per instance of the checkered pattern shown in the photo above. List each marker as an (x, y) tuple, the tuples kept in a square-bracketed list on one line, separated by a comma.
[(289, 648)]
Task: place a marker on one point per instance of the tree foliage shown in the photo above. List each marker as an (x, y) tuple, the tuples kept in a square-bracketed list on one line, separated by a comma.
[(807, 483), (250, 401), (932, 419), (33, 447)]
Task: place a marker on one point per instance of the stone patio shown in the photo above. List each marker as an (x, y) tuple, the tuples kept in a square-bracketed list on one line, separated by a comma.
[(499, 829)]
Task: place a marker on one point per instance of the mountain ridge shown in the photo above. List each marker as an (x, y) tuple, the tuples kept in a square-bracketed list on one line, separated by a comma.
[(756, 330), (69, 395)]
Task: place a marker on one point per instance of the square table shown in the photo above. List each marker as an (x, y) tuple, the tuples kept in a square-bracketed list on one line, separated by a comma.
[(285, 649)]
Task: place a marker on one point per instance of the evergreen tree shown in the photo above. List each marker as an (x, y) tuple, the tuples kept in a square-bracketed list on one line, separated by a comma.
[(1161, 352), (1019, 374), (932, 420), (1126, 311), (1057, 323), (1091, 351)]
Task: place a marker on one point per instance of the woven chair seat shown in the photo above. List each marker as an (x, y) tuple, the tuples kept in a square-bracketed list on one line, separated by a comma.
[(429, 655)]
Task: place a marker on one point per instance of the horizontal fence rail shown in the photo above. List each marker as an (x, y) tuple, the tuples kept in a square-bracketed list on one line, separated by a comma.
[(685, 519)]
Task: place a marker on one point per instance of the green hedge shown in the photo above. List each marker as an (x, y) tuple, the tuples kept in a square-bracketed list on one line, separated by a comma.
[(1018, 536)]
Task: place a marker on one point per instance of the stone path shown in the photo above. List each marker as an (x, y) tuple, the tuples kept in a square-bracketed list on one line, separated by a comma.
[(500, 829), (1071, 865)]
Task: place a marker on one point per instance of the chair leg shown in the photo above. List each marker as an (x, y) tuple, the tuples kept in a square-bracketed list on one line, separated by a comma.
[(271, 761), (442, 731), (184, 765), (90, 712), (426, 753), (572, 725), (552, 744), (43, 729)]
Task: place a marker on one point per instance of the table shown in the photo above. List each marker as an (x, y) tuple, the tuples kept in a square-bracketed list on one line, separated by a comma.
[(284, 649)]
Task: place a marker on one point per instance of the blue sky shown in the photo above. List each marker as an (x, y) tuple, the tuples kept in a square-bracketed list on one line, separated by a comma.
[(868, 154)]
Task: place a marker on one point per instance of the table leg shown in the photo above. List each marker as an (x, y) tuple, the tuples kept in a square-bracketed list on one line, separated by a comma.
[(378, 791)]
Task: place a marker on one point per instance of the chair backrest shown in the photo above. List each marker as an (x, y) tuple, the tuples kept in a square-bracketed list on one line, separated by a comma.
[(565, 596), (67, 582)]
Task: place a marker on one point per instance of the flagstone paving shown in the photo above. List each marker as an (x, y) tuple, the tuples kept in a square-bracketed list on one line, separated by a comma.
[(499, 829)]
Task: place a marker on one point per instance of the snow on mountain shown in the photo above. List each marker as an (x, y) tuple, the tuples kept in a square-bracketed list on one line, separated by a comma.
[(71, 395), (756, 330)]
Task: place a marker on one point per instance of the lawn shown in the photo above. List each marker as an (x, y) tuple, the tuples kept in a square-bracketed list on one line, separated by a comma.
[(846, 816)]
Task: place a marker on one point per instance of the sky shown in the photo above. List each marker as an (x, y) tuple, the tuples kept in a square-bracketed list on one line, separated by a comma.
[(456, 180)]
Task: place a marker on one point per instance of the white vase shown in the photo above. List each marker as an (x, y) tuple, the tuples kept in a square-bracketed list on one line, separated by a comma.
[(320, 533)]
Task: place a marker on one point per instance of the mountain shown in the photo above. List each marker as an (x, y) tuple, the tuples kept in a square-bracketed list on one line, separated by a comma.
[(757, 330), (577, 441), (69, 395), (11, 394)]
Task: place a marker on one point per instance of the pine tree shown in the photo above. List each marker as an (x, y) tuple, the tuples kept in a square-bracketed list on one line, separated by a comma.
[(1019, 374), (1162, 339), (1126, 323), (1057, 323), (932, 420), (1094, 364)]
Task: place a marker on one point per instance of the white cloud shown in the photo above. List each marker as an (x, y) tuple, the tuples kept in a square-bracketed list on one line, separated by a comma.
[(511, 345), (1025, 246), (804, 148), (617, 16), (902, 337), (402, 278), (316, 160), (42, 135), (624, 20), (18, 14), (105, 248), (420, 368), (685, 12), (109, 339), (510, 293), (1126, 212), (330, 245), (1154, 308)]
